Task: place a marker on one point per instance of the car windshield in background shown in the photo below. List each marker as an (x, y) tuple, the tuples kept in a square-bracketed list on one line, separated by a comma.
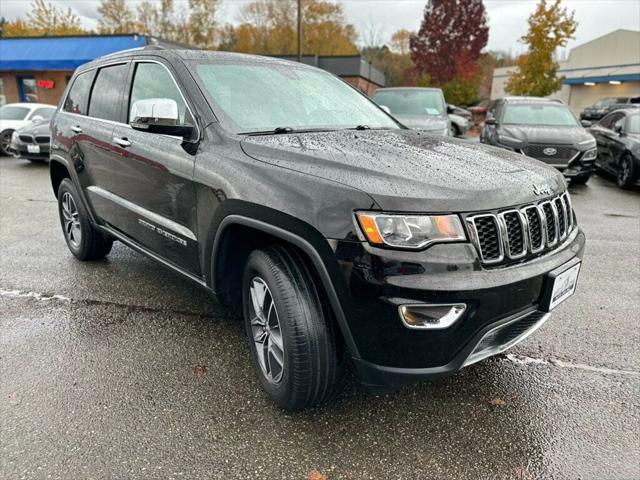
[(534, 114), (265, 97), (9, 112), (411, 102), (634, 124)]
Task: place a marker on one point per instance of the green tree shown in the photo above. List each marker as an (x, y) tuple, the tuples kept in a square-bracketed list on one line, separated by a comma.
[(550, 27)]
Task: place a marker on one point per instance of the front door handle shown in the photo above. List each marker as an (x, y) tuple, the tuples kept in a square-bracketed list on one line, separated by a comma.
[(76, 129), (121, 141)]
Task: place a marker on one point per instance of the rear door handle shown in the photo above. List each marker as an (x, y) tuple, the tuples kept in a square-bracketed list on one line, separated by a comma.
[(76, 129), (121, 141)]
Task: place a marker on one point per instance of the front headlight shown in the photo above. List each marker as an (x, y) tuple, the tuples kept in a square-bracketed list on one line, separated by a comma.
[(590, 154), (14, 136), (409, 231), (589, 143)]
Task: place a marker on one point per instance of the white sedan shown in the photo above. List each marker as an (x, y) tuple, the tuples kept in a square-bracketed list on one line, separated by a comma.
[(16, 115)]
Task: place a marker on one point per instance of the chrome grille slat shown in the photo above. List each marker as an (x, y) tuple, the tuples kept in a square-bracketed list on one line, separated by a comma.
[(517, 233)]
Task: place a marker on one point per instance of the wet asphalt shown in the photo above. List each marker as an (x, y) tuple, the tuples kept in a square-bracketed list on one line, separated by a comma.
[(121, 369)]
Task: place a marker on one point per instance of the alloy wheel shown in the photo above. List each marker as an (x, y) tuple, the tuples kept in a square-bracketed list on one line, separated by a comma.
[(265, 331), (71, 220), (625, 171), (5, 142)]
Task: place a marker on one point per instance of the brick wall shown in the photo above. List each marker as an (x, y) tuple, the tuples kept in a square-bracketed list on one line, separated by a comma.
[(44, 95)]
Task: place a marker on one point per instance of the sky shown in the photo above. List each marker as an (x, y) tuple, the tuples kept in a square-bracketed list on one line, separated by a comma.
[(378, 19)]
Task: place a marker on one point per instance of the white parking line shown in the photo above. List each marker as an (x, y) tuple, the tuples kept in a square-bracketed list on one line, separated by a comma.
[(524, 360), (35, 295)]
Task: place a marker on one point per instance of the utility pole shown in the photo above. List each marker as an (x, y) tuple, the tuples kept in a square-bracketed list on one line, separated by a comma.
[(299, 31)]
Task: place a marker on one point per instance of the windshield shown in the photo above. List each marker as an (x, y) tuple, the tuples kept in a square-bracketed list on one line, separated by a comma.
[(536, 114), (605, 102), (9, 112), (633, 125), (266, 96), (411, 102)]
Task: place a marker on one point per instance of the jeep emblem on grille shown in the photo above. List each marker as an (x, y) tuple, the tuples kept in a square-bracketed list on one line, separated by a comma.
[(541, 189), (549, 151)]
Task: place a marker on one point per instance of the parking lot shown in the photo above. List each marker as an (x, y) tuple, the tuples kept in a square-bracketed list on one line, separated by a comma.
[(121, 369)]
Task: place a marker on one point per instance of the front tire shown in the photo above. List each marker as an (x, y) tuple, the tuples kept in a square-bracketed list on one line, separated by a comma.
[(294, 343), (83, 240), (626, 172), (5, 142)]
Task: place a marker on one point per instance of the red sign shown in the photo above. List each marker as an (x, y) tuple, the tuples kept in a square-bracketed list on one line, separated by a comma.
[(45, 84)]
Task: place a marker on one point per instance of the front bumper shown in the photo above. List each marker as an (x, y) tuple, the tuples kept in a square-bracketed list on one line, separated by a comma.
[(390, 354), (20, 149)]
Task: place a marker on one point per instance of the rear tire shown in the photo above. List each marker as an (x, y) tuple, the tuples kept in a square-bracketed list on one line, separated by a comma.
[(83, 240), (626, 172), (295, 346)]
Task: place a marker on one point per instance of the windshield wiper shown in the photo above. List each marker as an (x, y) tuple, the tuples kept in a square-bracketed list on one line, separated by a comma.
[(275, 131), (362, 127)]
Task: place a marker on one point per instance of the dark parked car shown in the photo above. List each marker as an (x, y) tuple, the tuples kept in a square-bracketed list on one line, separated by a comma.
[(542, 129), (416, 108), (32, 142), (606, 105), (299, 202), (618, 138)]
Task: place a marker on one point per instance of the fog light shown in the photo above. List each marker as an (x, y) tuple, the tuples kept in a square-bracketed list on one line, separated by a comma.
[(431, 316)]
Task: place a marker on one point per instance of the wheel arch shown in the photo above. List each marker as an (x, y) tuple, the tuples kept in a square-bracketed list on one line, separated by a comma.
[(58, 171), (237, 235)]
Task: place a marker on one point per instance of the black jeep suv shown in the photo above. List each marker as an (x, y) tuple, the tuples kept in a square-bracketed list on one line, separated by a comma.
[(338, 233)]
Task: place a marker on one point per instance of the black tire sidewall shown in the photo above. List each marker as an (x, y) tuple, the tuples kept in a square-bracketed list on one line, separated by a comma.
[(2, 134), (258, 265), (83, 251)]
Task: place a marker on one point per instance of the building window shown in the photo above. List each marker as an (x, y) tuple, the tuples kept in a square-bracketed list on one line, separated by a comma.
[(27, 89)]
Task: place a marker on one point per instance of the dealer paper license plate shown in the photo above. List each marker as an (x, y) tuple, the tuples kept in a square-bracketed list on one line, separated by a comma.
[(564, 284)]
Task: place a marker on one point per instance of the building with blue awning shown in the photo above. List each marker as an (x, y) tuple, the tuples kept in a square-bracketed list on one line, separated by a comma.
[(37, 69)]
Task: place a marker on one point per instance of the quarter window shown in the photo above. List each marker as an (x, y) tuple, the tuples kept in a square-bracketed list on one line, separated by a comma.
[(107, 92), (152, 80), (78, 98)]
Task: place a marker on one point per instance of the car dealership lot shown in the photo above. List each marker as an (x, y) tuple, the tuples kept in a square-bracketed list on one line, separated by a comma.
[(121, 369)]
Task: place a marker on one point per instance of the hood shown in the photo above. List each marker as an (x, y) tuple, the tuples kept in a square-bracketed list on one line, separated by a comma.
[(37, 127), (12, 124), (423, 122), (546, 135), (405, 170)]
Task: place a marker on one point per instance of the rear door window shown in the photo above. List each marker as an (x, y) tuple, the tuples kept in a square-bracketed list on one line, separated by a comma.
[(106, 94), (77, 100)]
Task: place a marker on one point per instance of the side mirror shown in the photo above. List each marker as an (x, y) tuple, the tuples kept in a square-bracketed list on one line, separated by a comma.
[(490, 121), (618, 129), (158, 115), (35, 118), (450, 109), (386, 109), (586, 123)]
